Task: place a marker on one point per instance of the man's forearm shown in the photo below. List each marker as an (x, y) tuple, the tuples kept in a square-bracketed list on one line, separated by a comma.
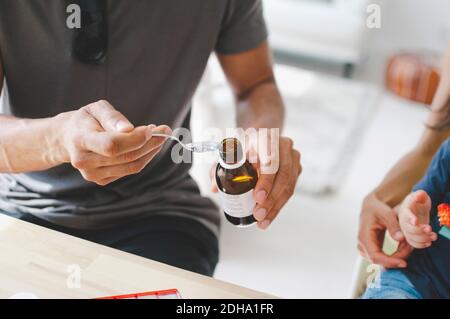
[(261, 107), (401, 178), (28, 145), (411, 168)]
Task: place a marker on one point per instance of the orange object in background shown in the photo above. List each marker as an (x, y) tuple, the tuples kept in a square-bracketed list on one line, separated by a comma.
[(413, 76), (444, 214)]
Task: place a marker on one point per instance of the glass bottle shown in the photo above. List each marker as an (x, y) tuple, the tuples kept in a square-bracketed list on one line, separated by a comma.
[(236, 179)]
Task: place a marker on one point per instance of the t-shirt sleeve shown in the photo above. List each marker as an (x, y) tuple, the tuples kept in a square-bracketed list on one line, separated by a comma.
[(243, 27), (436, 180)]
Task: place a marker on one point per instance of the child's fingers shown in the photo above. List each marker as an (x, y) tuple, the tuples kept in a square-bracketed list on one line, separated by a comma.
[(420, 197), (414, 230), (407, 211), (414, 199), (426, 228), (413, 220), (421, 206), (418, 237), (417, 208), (421, 239), (418, 245)]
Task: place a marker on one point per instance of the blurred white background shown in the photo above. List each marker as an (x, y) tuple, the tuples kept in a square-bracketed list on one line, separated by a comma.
[(330, 68)]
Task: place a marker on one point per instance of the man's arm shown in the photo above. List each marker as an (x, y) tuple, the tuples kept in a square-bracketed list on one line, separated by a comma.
[(250, 74), (32, 151), (259, 105), (410, 168), (96, 139), (25, 145)]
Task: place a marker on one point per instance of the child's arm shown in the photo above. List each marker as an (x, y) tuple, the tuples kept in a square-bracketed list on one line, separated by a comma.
[(414, 218)]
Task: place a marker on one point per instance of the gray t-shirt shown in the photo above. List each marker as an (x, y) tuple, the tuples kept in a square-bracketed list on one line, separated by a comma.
[(157, 53)]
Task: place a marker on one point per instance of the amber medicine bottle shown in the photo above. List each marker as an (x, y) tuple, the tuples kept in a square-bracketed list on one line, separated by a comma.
[(236, 179)]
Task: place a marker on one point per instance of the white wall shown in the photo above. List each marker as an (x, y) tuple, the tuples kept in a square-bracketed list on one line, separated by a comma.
[(406, 25), (412, 24)]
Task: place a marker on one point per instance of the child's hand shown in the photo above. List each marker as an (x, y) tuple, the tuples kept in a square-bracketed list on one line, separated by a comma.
[(414, 217)]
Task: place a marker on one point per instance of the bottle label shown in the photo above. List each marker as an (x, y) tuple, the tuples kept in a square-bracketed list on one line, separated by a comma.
[(238, 206)]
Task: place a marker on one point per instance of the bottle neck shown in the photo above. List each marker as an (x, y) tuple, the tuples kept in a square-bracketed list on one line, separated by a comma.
[(232, 166)]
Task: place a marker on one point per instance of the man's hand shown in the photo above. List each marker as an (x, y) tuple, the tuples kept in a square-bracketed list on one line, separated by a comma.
[(259, 105), (414, 217), (377, 217), (273, 190), (103, 145)]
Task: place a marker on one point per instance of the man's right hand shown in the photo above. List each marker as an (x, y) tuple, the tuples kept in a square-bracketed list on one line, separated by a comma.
[(377, 217), (103, 145)]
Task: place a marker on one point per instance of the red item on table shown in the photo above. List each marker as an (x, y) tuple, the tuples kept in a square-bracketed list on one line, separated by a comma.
[(160, 294)]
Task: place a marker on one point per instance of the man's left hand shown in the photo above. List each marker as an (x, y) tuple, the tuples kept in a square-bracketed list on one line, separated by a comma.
[(273, 190)]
